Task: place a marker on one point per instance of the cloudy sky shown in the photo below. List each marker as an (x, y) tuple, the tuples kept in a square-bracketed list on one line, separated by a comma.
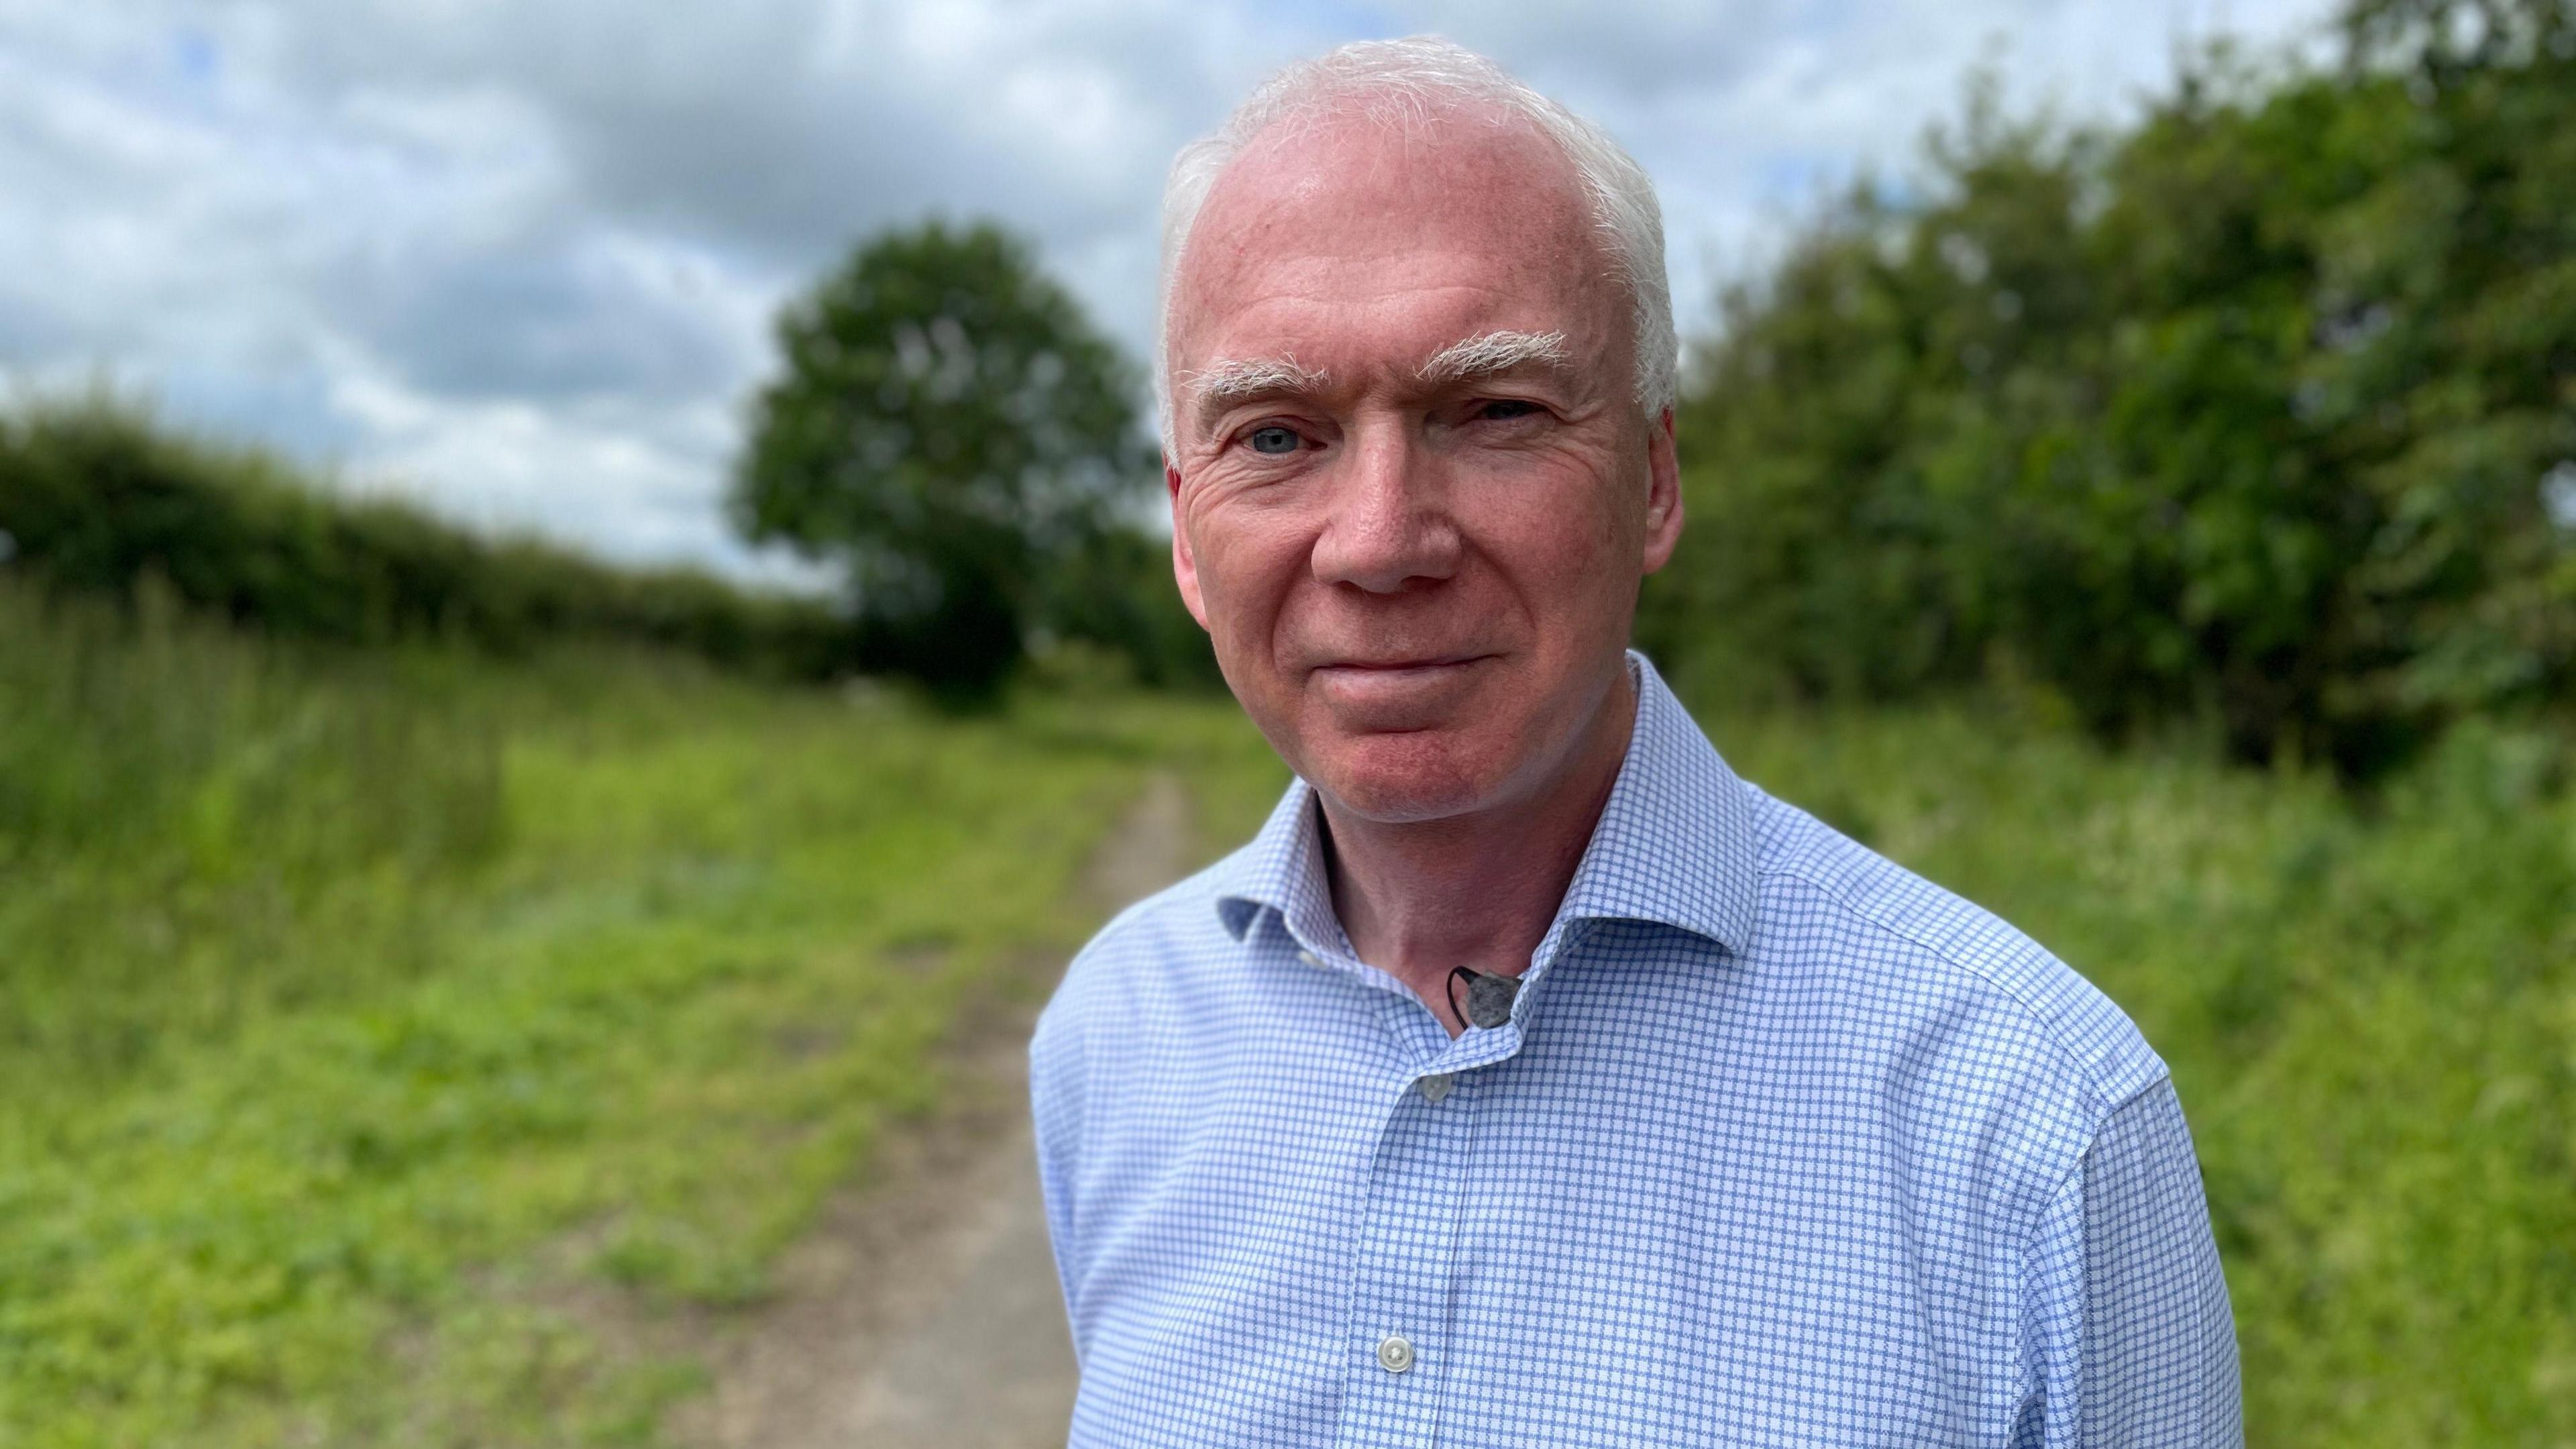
[(518, 259)]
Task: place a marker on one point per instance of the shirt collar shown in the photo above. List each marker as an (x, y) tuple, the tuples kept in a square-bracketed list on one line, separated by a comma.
[(1674, 845)]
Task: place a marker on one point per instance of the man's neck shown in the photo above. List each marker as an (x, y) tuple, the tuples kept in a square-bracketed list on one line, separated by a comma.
[(1421, 898)]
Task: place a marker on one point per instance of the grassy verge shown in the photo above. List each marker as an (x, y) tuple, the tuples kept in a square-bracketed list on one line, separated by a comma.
[(373, 1021)]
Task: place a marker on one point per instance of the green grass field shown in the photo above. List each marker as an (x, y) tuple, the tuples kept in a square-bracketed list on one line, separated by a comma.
[(365, 1015), (361, 1012)]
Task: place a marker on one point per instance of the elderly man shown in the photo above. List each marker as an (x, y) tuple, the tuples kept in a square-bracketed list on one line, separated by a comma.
[(1530, 1078)]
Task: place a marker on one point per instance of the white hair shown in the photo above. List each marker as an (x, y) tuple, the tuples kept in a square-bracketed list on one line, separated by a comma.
[(1394, 81), (1233, 377), (1494, 352)]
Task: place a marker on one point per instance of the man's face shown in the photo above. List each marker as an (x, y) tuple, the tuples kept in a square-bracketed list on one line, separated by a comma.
[(1412, 494)]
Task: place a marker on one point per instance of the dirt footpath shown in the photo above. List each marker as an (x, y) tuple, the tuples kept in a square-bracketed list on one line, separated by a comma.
[(923, 1312)]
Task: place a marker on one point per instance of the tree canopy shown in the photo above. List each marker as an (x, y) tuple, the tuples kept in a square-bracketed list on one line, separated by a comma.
[(951, 428), (2262, 411)]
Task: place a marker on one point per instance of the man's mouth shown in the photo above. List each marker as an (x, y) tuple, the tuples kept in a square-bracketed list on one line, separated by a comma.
[(1423, 665), (1397, 692)]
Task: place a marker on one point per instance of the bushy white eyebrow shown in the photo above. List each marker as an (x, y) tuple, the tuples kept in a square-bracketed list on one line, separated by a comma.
[(1491, 353), (1230, 378)]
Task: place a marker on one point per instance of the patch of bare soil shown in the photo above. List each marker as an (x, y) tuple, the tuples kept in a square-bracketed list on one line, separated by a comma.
[(923, 1312)]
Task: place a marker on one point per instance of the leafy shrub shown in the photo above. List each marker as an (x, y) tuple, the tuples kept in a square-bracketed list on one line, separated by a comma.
[(1117, 592)]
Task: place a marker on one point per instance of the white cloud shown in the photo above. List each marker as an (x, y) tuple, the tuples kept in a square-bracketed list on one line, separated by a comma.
[(519, 258)]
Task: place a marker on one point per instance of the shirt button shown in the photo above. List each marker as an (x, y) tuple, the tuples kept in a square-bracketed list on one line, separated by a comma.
[(1434, 1087), (1394, 1355), (1310, 958)]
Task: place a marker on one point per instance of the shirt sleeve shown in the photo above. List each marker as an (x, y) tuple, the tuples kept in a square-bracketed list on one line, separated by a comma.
[(2126, 1327)]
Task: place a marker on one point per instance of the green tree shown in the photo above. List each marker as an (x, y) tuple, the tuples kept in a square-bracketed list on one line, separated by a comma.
[(2260, 411), (950, 428)]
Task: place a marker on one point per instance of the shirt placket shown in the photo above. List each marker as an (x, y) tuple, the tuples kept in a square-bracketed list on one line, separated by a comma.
[(1398, 1341)]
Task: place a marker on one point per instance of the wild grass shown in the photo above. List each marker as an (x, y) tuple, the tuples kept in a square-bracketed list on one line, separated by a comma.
[(367, 1014)]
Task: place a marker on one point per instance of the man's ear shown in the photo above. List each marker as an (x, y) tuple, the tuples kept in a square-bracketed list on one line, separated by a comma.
[(1185, 569), (1663, 493)]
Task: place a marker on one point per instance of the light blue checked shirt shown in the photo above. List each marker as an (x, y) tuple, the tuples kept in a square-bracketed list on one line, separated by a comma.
[(1781, 1145)]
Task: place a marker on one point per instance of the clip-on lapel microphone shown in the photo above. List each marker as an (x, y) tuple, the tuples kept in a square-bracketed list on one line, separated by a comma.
[(1489, 997)]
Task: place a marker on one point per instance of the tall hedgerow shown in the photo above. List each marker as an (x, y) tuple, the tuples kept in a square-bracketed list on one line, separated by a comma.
[(97, 497)]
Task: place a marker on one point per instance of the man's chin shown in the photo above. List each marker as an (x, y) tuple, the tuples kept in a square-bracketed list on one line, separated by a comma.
[(1411, 775)]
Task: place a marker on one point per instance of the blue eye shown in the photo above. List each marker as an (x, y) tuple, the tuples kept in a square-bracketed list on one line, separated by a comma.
[(1274, 440), (1507, 408)]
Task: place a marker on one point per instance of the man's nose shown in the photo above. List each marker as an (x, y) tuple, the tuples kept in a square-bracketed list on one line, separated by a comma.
[(1389, 526)]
